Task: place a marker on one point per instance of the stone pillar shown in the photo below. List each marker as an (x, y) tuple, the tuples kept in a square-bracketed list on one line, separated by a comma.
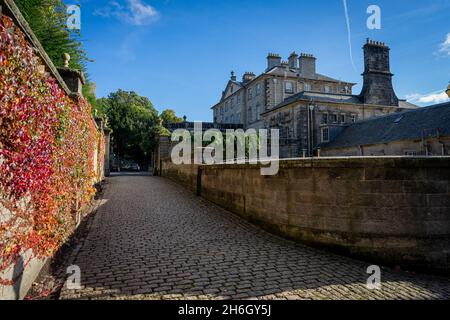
[(162, 153), (74, 79), (107, 167)]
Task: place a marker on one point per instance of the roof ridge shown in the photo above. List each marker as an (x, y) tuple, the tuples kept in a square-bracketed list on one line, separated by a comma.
[(396, 114)]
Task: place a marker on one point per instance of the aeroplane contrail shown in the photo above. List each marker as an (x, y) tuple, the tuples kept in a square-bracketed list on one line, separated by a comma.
[(349, 33)]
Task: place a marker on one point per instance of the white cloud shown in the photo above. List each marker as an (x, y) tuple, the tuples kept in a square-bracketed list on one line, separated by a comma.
[(430, 98), (445, 46), (134, 12), (349, 34)]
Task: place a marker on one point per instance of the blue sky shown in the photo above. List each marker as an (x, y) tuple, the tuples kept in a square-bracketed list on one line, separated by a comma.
[(179, 53)]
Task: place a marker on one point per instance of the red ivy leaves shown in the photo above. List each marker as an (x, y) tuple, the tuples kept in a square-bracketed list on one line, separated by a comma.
[(47, 145)]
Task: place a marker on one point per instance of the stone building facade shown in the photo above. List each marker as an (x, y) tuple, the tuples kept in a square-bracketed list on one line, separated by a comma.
[(308, 108), (244, 102)]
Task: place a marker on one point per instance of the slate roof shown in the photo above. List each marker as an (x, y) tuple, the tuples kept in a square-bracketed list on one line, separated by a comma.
[(238, 83), (330, 98), (320, 97), (407, 105), (415, 124), (281, 71)]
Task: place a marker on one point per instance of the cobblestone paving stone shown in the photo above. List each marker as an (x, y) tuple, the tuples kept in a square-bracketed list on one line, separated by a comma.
[(152, 239)]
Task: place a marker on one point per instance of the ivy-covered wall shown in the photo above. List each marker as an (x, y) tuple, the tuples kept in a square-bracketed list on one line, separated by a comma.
[(48, 146)]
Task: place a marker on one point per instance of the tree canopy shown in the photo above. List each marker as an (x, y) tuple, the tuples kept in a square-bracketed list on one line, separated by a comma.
[(134, 122), (48, 20), (133, 118), (168, 116)]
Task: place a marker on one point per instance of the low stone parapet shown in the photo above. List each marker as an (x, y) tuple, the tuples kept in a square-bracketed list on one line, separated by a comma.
[(394, 211)]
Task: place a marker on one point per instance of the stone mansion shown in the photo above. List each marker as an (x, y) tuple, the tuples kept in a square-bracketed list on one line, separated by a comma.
[(308, 108)]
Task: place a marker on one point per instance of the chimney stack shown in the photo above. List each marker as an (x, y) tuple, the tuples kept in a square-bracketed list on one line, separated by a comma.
[(307, 65), (248, 76), (273, 60), (377, 87), (293, 60)]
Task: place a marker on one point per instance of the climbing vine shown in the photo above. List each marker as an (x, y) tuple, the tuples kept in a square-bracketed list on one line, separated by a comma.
[(47, 150)]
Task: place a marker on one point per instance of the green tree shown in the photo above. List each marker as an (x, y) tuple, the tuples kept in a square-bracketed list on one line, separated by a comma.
[(134, 122), (48, 20), (168, 116)]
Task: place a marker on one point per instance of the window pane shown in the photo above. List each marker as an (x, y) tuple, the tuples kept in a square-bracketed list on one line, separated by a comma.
[(334, 118), (289, 87), (325, 135)]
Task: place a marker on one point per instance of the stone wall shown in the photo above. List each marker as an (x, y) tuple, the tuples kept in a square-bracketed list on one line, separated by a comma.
[(24, 272), (186, 175), (394, 211)]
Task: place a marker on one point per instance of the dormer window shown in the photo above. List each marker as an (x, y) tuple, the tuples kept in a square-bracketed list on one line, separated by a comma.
[(307, 86), (327, 89)]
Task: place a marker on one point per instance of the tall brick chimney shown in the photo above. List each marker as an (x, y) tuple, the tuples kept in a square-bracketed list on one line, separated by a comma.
[(377, 88)]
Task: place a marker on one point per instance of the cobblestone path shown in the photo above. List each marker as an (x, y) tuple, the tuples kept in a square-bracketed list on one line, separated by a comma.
[(152, 239)]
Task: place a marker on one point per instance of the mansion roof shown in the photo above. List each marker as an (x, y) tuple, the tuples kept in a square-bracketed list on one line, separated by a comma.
[(314, 97), (288, 72), (421, 123), (281, 71)]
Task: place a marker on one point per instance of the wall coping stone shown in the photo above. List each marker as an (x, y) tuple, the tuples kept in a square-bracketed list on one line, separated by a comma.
[(348, 162), (13, 11)]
